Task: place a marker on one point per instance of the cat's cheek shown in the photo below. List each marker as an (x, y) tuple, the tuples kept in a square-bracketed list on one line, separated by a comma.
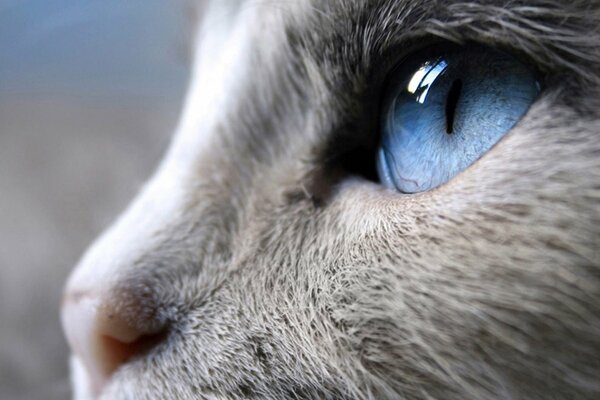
[(368, 208)]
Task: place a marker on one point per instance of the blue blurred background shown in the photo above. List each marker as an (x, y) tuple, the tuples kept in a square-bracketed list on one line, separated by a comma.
[(90, 92)]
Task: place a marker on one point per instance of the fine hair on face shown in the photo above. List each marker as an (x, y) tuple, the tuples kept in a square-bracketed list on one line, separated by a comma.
[(265, 259)]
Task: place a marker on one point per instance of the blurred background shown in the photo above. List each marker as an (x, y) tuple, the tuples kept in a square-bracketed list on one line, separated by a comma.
[(90, 92)]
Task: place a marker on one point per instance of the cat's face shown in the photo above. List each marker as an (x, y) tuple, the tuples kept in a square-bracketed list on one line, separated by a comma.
[(257, 263)]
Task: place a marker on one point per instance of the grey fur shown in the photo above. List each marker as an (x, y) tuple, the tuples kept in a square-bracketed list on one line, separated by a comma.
[(284, 277)]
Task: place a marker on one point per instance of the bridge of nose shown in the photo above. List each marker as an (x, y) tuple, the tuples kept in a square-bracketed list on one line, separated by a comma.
[(182, 220)]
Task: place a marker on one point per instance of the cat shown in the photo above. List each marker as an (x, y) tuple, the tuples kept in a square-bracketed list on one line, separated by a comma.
[(264, 259)]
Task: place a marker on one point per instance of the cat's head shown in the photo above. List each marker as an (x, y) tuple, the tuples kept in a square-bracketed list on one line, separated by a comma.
[(265, 259)]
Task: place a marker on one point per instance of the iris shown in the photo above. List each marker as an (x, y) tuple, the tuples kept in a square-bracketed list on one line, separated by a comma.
[(445, 109)]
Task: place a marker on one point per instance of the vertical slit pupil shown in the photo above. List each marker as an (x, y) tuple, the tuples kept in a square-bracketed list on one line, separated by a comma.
[(451, 103)]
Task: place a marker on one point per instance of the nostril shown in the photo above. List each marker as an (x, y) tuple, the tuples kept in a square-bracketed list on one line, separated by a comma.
[(112, 353), (106, 337), (115, 353)]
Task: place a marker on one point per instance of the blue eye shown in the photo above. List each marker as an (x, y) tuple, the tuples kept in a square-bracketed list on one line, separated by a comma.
[(445, 110)]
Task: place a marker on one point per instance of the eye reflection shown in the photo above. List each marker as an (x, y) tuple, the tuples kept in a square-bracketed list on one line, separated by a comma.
[(421, 81)]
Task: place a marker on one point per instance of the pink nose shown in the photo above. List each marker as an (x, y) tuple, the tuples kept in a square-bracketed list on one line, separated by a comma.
[(104, 337)]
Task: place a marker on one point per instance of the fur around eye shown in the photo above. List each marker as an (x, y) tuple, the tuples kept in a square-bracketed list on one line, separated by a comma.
[(444, 109)]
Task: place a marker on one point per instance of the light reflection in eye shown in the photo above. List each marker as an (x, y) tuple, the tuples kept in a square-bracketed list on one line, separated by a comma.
[(422, 79)]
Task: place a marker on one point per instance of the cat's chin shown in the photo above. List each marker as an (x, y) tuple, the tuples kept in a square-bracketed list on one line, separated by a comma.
[(84, 388)]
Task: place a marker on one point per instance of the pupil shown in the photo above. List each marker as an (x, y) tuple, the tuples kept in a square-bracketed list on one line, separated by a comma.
[(451, 102)]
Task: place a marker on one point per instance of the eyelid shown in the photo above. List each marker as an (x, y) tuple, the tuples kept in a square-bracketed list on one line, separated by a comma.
[(393, 56)]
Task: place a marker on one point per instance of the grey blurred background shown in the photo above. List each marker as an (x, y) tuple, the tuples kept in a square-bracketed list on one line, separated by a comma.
[(90, 92)]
